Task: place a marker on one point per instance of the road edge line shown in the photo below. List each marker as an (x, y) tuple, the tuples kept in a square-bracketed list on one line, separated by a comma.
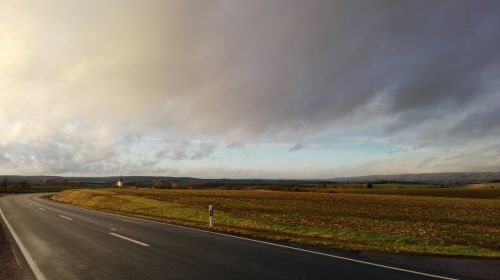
[(267, 243), (34, 268), (316, 253), (64, 217)]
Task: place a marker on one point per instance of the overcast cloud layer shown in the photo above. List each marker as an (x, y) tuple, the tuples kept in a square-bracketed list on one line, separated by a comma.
[(301, 89)]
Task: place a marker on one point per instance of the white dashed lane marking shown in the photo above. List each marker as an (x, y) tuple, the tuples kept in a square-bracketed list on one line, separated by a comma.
[(129, 239)]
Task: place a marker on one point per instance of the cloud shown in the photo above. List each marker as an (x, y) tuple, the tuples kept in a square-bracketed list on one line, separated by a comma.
[(240, 72), (204, 150), (478, 124), (183, 150), (235, 145), (297, 69), (296, 147)]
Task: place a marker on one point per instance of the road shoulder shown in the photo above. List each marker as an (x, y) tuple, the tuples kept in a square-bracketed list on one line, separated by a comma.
[(8, 265), (13, 265)]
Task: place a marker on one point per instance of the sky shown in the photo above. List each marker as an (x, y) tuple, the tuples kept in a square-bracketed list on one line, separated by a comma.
[(249, 89)]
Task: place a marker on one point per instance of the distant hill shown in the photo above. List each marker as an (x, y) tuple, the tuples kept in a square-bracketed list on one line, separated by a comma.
[(146, 181), (429, 178), (425, 178)]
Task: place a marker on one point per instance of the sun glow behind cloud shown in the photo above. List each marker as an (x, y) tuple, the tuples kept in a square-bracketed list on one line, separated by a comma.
[(249, 89)]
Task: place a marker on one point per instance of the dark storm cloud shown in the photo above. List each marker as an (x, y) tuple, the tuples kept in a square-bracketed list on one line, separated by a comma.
[(301, 66), (478, 124), (253, 68)]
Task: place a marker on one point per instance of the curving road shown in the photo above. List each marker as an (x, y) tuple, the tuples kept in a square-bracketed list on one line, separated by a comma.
[(64, 242)]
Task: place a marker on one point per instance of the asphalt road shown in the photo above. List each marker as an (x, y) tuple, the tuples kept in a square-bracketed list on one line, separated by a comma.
[(64, 242)]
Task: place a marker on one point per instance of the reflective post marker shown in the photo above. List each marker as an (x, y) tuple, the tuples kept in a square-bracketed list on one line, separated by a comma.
[(210, 213)]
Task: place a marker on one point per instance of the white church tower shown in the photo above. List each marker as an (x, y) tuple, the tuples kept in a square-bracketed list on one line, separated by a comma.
[(120, 182)]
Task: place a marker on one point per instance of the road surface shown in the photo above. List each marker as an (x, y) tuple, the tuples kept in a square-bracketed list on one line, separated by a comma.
[(64, 242)]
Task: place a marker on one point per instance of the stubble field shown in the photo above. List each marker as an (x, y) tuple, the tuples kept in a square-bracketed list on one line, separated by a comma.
[(375, 222)]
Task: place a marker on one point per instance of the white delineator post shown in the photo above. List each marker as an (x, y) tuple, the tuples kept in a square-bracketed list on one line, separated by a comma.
[(210, 214)]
